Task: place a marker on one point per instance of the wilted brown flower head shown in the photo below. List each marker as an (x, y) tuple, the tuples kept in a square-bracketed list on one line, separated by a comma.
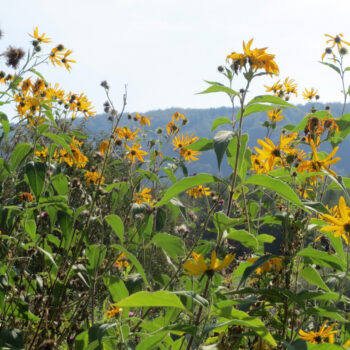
[(13, 56)]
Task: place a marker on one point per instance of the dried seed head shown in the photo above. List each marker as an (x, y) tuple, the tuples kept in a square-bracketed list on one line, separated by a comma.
[(13, 56)]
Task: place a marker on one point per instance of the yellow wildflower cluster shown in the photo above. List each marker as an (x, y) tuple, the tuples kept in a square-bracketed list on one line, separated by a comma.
[(275, 115), (143, 120), (316, 127), (256, 58), (274, 264), (199, 192), (335, 41), (121, 261), (172, 128), (113, 311), (78, 159), (93, 177), (284, 88), (310, 94), (144, 196), (180, 143)]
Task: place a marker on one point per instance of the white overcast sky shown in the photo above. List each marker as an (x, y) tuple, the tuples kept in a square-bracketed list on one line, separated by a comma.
[(165, 49)]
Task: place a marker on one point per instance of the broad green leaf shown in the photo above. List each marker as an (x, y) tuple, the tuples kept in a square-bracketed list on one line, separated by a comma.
[(299, 344), (117, 225), (244, 237), (116, 287), (329, 312), (203, 144), (48, 255), (95, 254), (194, 296), (173, 246), (160, 219), (65, 220), (323, 258), (256, 108), (274, 100), (21, 151), (36, 177), (133, 260), (221, 140), (220, 121), (264, 238), (278, 186), (324, 346), (222, 222), (151, 342), (231, 155), (152, 299), (185, 184), (147, 174), (60, 184), (60, 140), (220, 88), (30, 227), (311, 275), (5, 124)]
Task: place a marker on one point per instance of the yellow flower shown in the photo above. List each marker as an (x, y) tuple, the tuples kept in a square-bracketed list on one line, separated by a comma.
[(189, 154), (103, 147), (121, 261), (197, 266), (274, 264), (318, 337), (143, 120), (316, 164), (336, 40), (42, 153), (56, 55), (290, 87), (347, 344), (143, 196), (172, 128), (339, 222), (66, 60), (135, 152), (277, 86), (309, 95), (199, 191), (183, 141), (93, 177), (275, 115), (177, 116), (114, 311), (126, 134), (41, 38)]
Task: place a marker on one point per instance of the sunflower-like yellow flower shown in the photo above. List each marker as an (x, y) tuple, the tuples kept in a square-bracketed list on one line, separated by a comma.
[(336, 40), (177, 116), (321, 335), (42, 153), (103, 147), (126, 134), (198, 266), (290, 87), (93, 177), (56, 55), (277, 86), (65, 60), (183, 141), (199, 192), (309, 94), (41, 38), (189, 154), (172, 128), (135, 152), (121, 261), (317, 164), (339, 223), (114, 311), (143, 196), (275, 115)]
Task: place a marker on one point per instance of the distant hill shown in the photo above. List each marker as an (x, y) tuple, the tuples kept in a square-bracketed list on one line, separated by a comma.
[(200, 123)]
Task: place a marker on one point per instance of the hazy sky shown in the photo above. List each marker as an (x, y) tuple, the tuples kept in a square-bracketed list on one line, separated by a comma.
[(165, 49)]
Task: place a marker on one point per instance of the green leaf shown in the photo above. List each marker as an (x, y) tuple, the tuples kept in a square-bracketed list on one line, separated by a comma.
[(117, 225), (244, 237), (160, 219), (256, 108), (152, 299), (48, 255), (222, 222), (311, 275), (220, 121), (220, 88), (194, 296), (65, 220), (5, 124), (133, 259), (299, 344), (264, 238), (151, 341), (21, 151), (274, 100), (60, 184), (147, 174), (331, 66), (172, 245), (231, 155), (278, 186), (11, 339), (323, 258), (324, 346), (221, 140), (185, 184), (116, 287), (30, 227), (60, 140), (203, 144), (36, 177), (95, 254)]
